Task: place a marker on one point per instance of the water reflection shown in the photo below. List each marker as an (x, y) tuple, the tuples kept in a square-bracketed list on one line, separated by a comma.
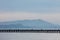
[(29, 36)]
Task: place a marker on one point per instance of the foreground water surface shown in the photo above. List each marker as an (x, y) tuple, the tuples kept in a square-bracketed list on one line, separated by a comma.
[(29, 36)]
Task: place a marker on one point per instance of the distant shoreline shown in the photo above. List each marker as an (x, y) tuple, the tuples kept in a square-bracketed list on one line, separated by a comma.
[(32, 31)]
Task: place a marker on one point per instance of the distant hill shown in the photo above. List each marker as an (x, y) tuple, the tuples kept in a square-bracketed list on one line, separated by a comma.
[(33, 24)]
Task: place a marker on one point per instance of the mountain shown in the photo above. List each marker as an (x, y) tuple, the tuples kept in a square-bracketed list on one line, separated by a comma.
[(33, 24)]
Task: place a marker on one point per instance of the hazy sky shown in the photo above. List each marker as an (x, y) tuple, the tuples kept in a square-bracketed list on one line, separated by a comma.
[(30, 5), (48, 10)]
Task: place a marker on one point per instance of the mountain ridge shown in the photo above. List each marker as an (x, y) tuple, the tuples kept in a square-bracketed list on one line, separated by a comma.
[(41, 24)]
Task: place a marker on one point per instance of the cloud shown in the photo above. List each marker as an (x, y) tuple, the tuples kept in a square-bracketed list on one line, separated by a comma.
[(50, 17)]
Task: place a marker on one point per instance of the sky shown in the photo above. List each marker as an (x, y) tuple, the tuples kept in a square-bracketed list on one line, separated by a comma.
[(48, 10), (30, 5)]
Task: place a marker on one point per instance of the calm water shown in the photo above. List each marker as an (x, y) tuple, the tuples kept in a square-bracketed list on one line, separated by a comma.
[(29, 36)]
